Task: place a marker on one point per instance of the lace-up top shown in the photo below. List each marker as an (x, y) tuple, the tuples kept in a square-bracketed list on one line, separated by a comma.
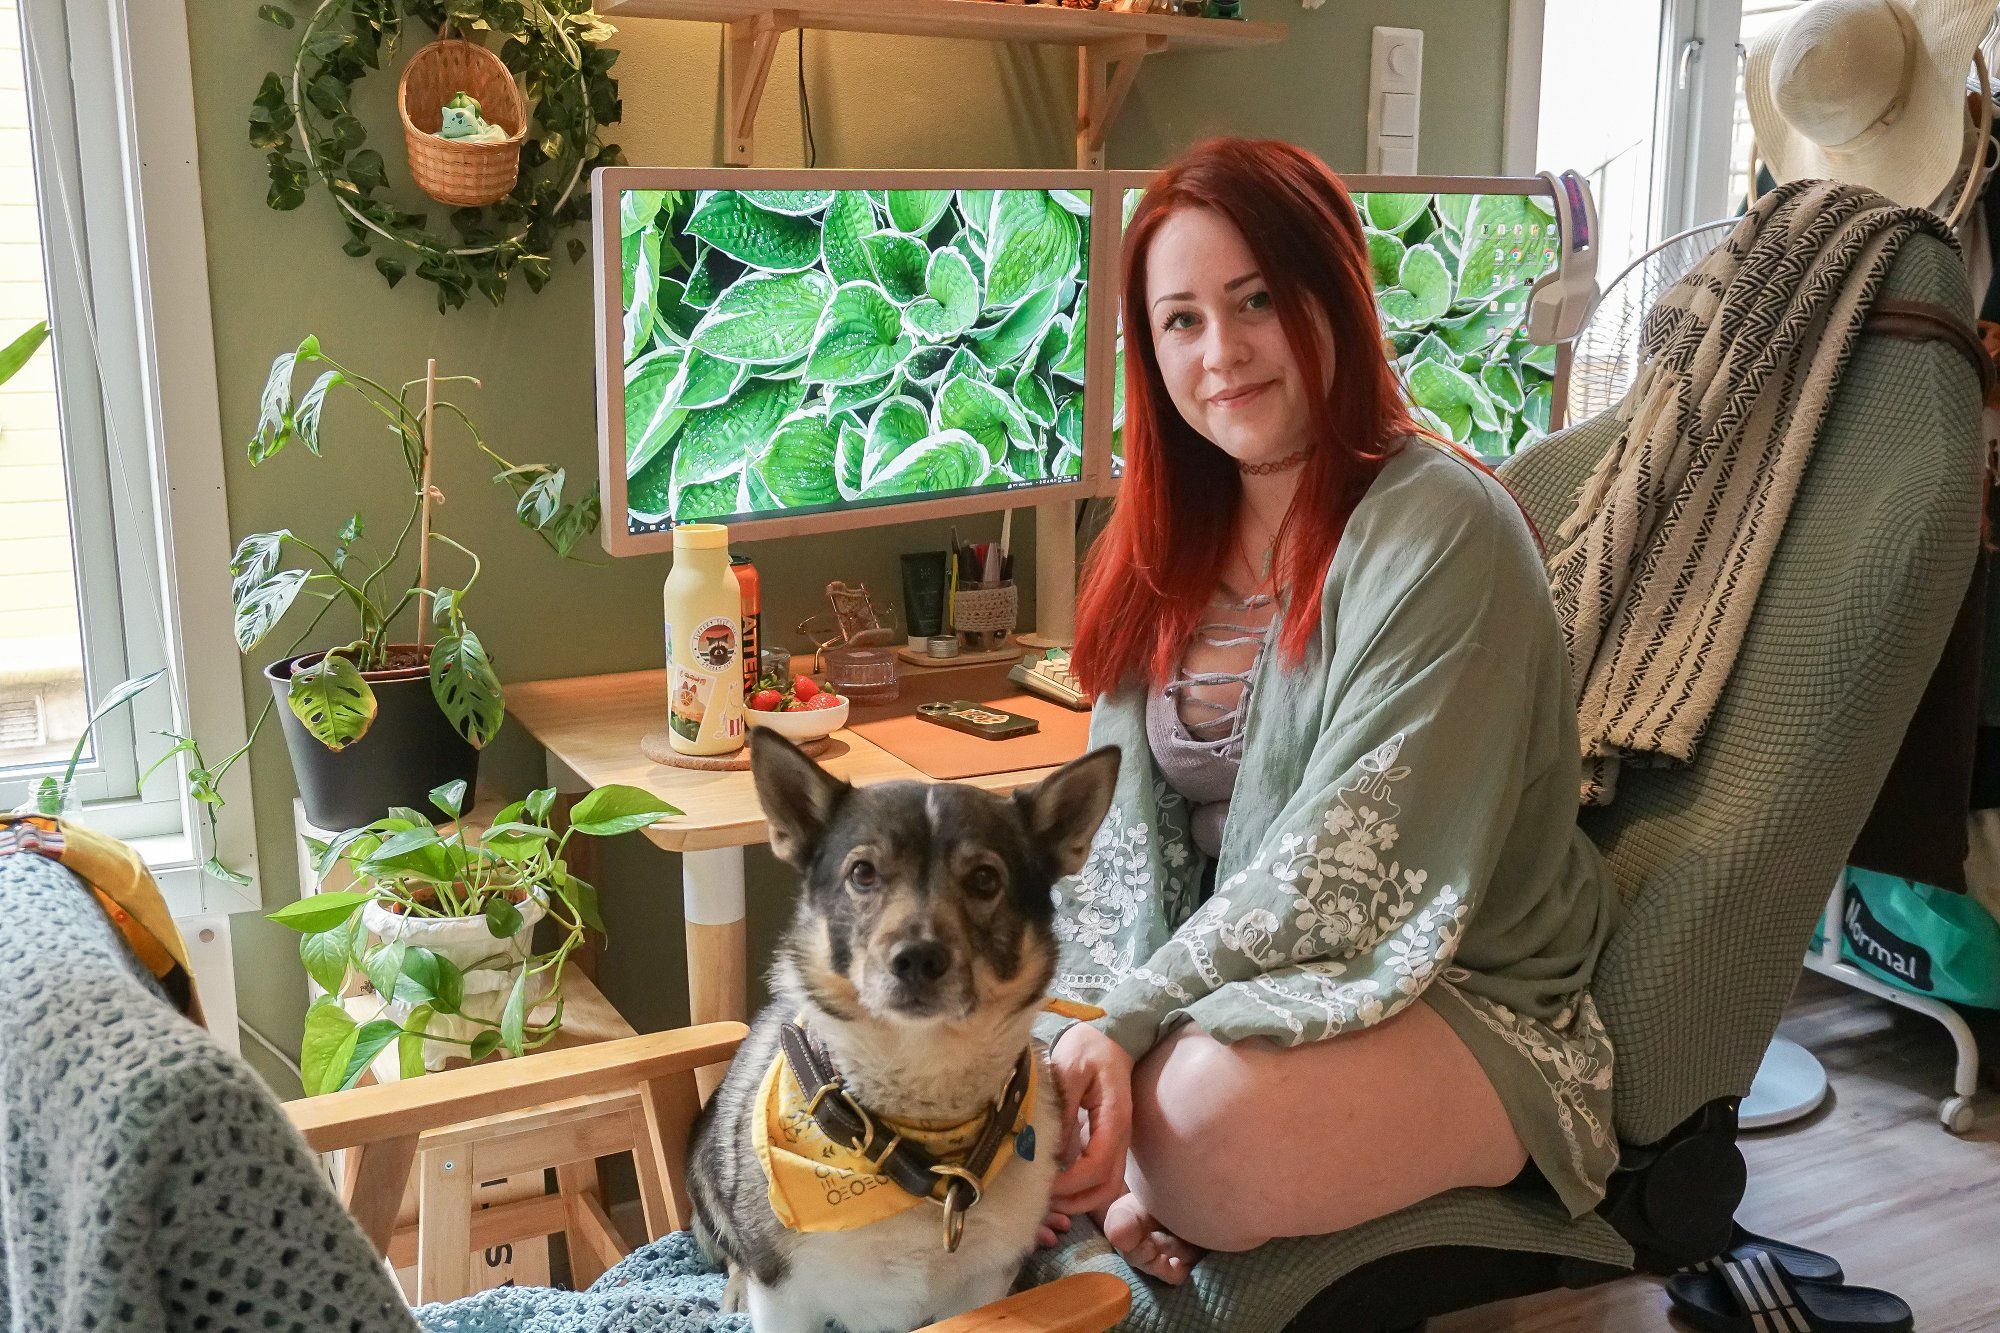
[(1195, 722)]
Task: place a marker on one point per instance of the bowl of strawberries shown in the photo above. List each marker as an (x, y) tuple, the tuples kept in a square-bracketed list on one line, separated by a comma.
[(799, 709)]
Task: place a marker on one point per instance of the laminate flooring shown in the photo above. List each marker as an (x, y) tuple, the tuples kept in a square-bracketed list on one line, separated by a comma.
[(1871, 1178)]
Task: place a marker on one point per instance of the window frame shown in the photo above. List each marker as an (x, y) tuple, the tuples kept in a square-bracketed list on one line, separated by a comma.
[(117, 178)]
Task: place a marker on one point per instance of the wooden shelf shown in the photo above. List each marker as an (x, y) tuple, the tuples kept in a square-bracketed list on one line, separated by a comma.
[(1110, 44)]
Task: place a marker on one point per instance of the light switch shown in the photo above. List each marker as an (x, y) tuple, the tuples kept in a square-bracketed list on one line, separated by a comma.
[(1399, 115), (1395, 100)]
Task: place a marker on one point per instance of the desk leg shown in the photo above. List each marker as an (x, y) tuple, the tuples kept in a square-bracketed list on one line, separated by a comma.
[(713, 908)]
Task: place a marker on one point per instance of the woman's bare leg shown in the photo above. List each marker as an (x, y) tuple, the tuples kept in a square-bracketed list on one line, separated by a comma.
[(1235, 1145)]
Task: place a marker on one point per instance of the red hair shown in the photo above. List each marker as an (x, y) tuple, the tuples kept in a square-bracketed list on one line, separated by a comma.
[(1151, 572)]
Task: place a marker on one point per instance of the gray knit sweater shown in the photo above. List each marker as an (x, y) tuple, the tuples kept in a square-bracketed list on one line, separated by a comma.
[(148, 1181)]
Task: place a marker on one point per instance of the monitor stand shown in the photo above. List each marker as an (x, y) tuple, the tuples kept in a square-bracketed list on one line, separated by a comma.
[(1055, 577)]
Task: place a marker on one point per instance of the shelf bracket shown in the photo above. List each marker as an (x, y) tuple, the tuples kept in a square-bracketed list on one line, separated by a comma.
[(748, 45), (1104, 75)]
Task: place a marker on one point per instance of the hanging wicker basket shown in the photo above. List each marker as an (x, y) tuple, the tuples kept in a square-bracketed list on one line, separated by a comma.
[(451, 171)]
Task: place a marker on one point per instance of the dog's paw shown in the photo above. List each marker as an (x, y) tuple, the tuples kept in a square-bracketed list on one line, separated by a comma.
[(735, 1296)]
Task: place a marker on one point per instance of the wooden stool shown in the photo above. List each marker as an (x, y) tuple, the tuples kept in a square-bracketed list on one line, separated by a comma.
[(439, 1224)]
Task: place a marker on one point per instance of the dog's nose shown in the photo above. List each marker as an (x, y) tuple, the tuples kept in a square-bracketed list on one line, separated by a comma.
[(919, 962)]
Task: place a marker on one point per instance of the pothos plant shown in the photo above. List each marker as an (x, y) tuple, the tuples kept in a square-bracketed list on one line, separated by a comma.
[(303, 119), (419, 869), (378, 588)]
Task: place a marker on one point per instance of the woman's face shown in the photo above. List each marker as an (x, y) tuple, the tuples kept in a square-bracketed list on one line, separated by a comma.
[(1224, 356)]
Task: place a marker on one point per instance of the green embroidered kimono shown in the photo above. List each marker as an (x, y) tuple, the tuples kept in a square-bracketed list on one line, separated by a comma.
[(1403, 827)]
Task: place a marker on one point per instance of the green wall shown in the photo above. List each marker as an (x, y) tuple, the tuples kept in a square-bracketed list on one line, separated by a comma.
[(882, 102)]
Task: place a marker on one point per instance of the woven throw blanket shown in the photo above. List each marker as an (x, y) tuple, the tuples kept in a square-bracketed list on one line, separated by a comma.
[(1656, 571)]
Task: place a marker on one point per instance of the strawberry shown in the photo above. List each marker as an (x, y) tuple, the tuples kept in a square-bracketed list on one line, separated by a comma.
[(804, 688), (824, 700), (766, 701)]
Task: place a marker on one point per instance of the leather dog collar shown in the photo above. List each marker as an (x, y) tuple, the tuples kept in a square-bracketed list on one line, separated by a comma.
[(913, 1167)]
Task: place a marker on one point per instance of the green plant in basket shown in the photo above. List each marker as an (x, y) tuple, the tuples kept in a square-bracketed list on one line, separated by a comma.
[(440, 923)]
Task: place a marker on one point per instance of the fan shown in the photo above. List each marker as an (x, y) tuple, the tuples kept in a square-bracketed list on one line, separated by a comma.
[(1605, 357)]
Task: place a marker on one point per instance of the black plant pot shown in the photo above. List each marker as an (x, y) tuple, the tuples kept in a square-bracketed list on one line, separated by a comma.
[(408, 750)]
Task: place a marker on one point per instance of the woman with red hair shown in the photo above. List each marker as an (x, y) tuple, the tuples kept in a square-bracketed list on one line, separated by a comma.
[(1340, 917)]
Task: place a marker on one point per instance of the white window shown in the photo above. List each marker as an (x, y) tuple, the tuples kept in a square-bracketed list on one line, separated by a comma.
[(1642, 97), (101, 579)]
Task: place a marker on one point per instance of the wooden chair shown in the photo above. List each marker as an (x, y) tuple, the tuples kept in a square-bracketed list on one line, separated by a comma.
[(564, 1109)]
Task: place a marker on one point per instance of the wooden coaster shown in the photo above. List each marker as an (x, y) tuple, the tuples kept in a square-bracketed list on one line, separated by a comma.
[(915, 658), (656, 747)]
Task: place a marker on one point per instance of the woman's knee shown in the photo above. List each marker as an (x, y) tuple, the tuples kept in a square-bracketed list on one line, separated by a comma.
[(1191, 1168)]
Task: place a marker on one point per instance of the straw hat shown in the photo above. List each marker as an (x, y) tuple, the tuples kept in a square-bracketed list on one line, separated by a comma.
[(1866, 91)]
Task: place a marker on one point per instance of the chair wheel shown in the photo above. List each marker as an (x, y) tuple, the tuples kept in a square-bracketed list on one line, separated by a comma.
[(1956, 1114)]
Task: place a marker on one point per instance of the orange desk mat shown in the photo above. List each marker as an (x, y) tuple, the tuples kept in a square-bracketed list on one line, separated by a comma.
[(948, 755)]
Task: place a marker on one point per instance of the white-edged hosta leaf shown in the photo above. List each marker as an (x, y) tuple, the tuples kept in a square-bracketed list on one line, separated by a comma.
[(848, 459), (1069, 421), (927, 365), (915, 212), (1391, 212), (951, 298), (1423, 290), (1072, 201), (1030, 245), (983, 412), (638, 208), (858, 397), (765, 240), (860, 338), (897, 424), (764, 319), (716, 441), (797, 465), (897, 262), (652, 414), (641, 286), (947, 462), (1031, 391), (1019, 333), (848, 219), (793, 203), (706, 380)]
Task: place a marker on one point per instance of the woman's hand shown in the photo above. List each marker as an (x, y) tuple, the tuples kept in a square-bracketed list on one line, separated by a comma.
[(1095, 1075)]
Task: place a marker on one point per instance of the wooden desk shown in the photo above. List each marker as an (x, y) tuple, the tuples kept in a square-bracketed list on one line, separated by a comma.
[(590, 727)]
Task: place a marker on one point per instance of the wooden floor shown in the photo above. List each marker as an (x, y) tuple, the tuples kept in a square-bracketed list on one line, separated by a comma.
[(1871, 1179)]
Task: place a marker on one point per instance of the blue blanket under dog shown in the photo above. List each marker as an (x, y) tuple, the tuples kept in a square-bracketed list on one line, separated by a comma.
[(665, 1287)]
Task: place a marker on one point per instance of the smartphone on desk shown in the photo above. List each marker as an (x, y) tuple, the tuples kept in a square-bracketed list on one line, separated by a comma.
[(976, 719)]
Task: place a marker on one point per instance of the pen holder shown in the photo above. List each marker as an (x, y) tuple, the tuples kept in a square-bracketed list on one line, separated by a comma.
[(984, 617)]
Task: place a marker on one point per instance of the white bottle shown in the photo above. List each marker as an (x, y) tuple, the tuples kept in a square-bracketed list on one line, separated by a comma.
[(704, 641)]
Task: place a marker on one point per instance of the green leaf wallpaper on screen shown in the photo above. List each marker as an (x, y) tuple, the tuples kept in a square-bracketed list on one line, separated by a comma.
[(787, 350)]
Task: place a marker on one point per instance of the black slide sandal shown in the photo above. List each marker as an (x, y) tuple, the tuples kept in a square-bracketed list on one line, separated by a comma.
[(1757, 1296), (1808, 1265)]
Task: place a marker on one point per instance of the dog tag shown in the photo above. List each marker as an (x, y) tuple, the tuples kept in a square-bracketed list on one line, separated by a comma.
[(1024, 1143)]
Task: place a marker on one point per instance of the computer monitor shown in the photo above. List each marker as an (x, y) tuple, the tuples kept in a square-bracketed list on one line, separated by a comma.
[(804, 351), (1454, 259)]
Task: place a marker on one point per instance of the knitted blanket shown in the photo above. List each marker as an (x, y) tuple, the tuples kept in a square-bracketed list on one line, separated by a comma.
[(149, 1183), (1657, 569)]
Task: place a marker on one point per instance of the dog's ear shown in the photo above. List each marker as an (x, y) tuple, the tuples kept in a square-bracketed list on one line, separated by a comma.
[(798, 795), (1063, 810)]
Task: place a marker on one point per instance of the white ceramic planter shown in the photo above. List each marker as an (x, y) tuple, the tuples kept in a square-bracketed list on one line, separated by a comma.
[(490, 966)]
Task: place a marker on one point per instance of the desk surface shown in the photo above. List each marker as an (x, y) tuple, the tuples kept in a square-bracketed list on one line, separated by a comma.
[(592, 725)]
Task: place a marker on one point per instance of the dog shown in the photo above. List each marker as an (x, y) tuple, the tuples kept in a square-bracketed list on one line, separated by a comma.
[(919, 955)]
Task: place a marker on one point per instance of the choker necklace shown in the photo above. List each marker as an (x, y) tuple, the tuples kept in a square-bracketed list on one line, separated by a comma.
[(1276, 465)]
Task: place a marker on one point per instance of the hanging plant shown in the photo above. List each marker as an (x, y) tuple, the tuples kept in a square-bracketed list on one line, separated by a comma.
[(303, 120)]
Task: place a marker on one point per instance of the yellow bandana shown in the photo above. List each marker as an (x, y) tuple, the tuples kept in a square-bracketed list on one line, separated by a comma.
[(820, 1185), (817, 1184)]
